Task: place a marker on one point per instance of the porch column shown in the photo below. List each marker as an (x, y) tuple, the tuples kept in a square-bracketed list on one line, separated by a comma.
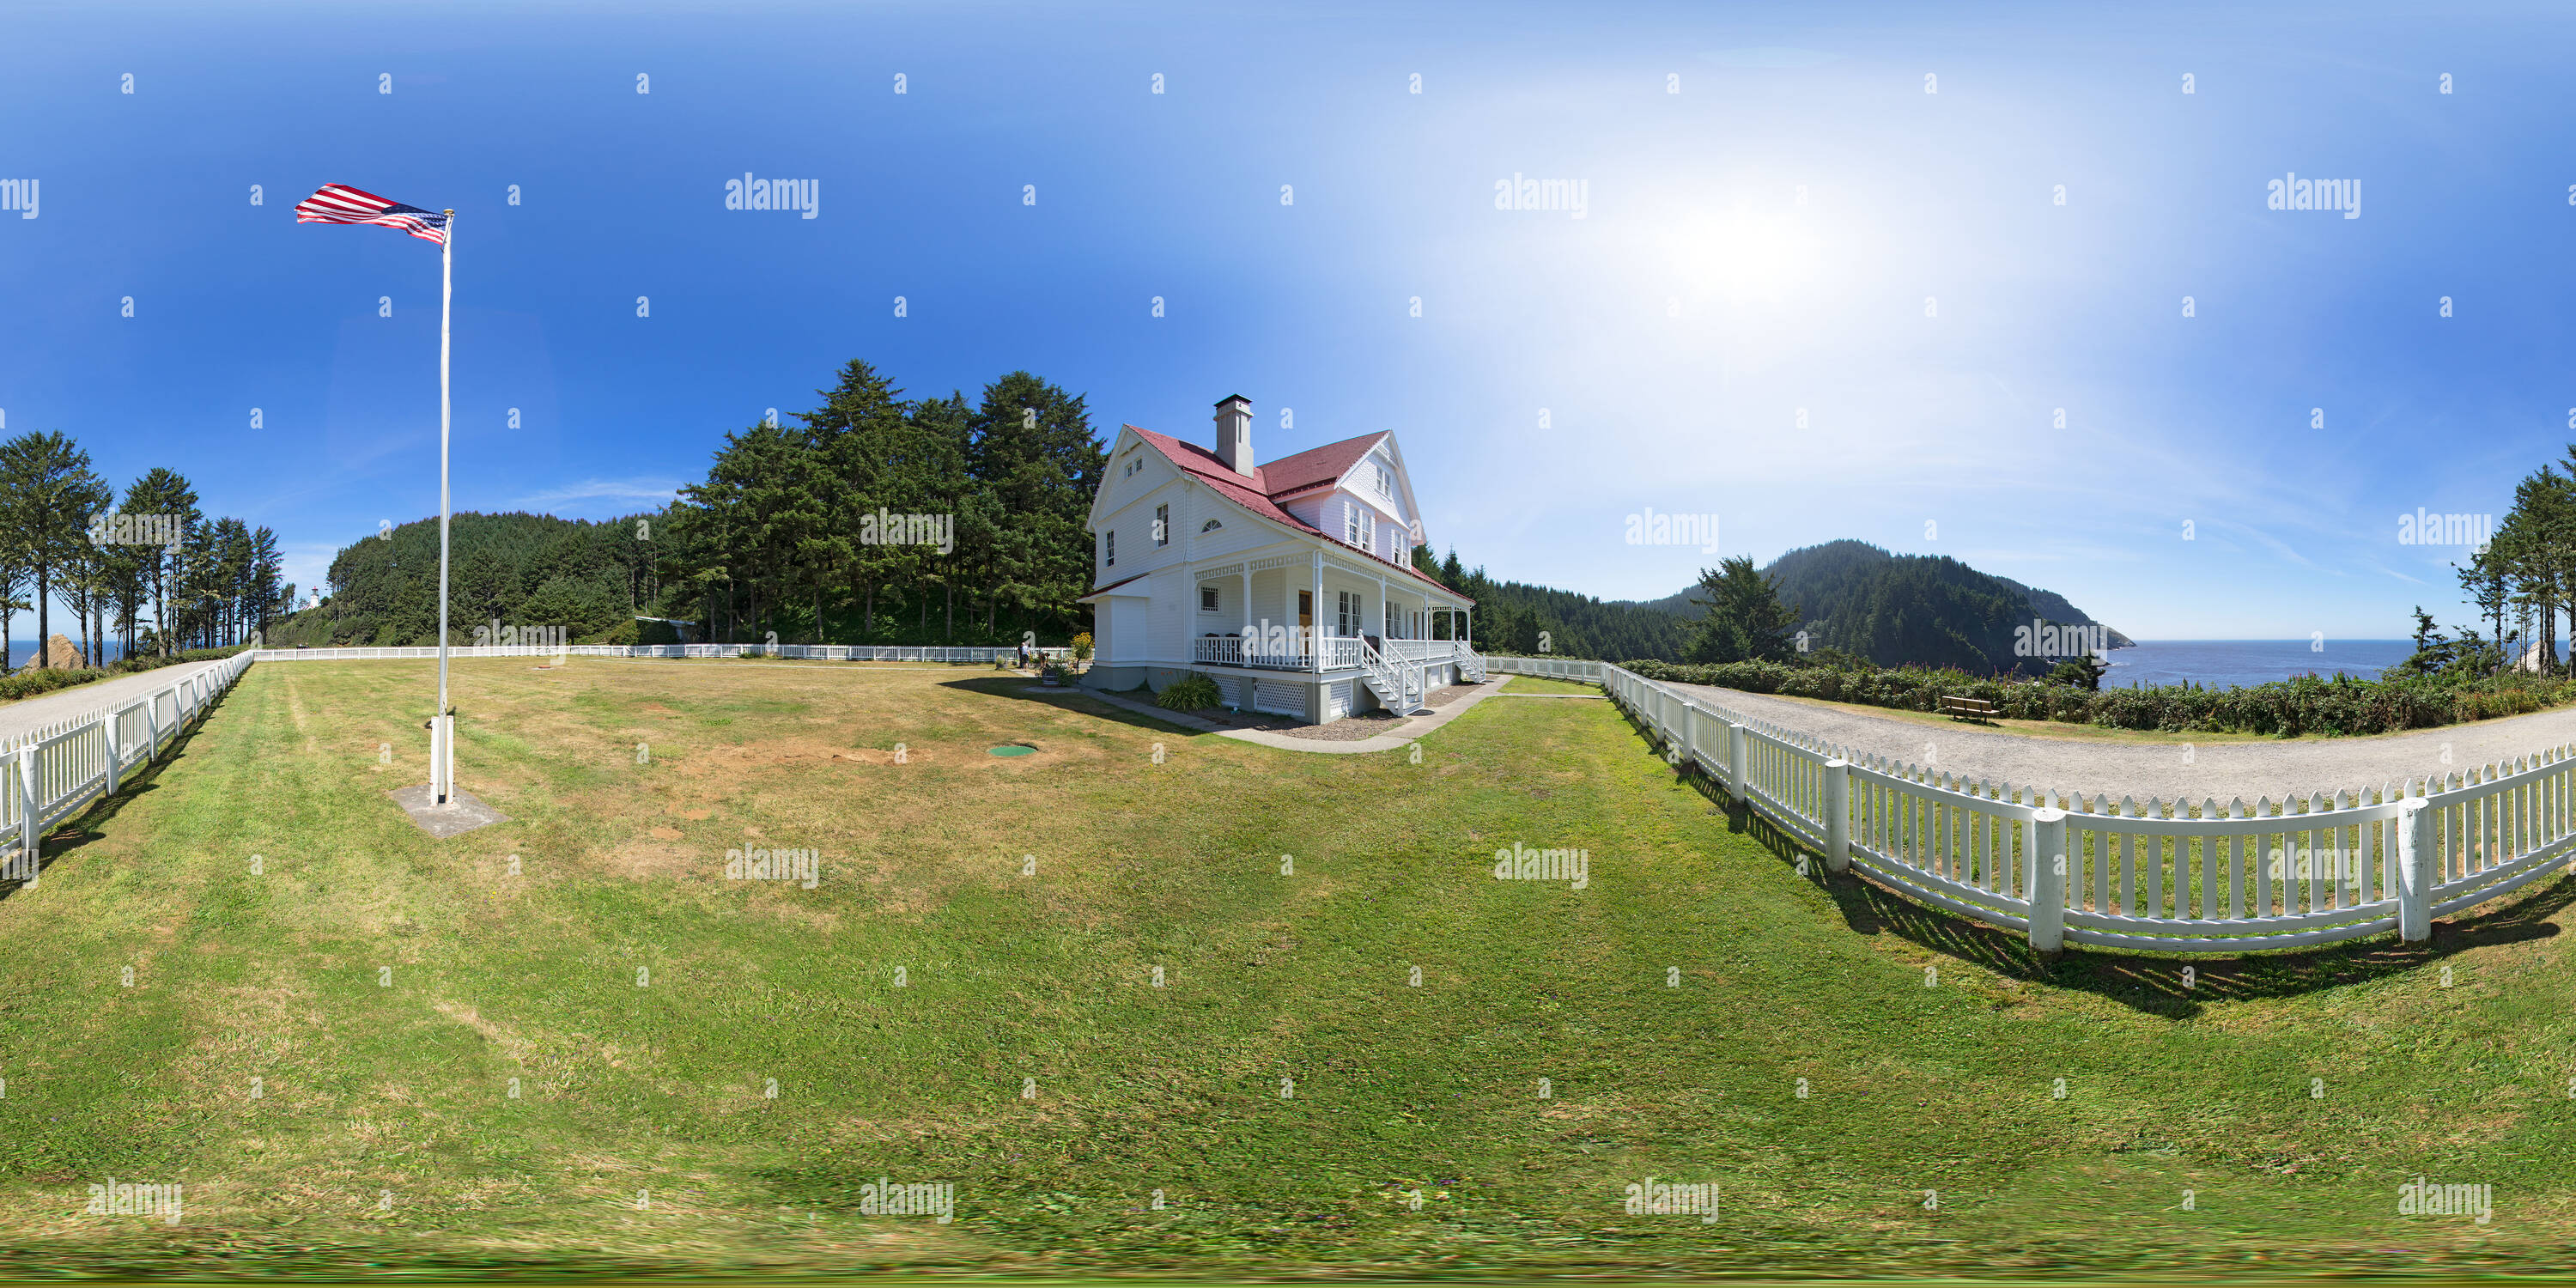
[(1243, 649), (1315, 637)]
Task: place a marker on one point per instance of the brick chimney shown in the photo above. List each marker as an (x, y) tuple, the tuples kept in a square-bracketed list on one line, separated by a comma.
[(1234, 434)]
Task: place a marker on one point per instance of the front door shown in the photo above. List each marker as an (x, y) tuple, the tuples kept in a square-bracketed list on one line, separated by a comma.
[(1306, 612)]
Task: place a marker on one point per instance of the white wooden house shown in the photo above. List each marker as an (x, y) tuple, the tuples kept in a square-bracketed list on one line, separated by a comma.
[(1291, 585)]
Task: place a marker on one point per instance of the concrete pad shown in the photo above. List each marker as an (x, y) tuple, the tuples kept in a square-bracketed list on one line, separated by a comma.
[(463, 814)]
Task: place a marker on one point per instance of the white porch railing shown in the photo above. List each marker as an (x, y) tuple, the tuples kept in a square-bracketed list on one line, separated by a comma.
[(1398, 683), (1341, 653), (1253, 651), (1418, 650), (1471, 664), (57, 771), (2166, 876)]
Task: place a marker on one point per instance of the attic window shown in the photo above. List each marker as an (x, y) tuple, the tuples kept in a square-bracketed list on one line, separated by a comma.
[(1385, 480), (1210, 526)]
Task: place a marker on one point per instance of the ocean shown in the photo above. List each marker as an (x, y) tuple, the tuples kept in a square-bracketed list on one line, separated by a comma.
[(2222, 664)]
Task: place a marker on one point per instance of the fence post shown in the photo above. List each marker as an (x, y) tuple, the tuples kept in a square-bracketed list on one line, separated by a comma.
[(1735, 761), (1837, 815), (151, 728), (2415, 858), (2047, 860), (1690, 736), (115, 770), (30, 833)]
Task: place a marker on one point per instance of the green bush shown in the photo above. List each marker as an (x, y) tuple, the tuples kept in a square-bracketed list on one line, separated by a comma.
[(1189, 695), (37, 681), (2285, 708)]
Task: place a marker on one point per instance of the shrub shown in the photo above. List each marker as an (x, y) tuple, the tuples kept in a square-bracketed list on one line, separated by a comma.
[(1082, 647), (1189, 695), (41, 680), (2284, 708)]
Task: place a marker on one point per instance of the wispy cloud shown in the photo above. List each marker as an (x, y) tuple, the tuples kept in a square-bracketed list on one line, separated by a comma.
[(618, 490)]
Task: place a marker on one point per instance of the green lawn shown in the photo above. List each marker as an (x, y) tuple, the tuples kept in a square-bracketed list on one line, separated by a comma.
[(1542, 684), (385, 1135)]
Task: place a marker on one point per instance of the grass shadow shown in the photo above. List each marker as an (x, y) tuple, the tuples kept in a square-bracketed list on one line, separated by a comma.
[(67, 837), (1070, 697)]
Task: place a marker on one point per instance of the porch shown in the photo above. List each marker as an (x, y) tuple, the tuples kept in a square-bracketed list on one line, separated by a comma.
[(1325, 656)]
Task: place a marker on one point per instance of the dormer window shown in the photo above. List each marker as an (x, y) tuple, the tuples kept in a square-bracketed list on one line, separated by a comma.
[(1359, 526)]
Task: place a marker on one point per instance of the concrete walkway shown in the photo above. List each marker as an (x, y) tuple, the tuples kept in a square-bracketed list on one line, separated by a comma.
[(1395, 739), (2174, 766), (18, 719)]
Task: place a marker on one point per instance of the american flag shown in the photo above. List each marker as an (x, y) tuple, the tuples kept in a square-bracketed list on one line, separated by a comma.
[(338, 203)]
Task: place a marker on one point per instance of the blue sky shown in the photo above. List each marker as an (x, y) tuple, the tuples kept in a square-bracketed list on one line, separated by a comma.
[(1762, 241)]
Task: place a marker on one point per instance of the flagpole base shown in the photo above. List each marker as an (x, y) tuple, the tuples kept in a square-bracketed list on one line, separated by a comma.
[(442, 760)]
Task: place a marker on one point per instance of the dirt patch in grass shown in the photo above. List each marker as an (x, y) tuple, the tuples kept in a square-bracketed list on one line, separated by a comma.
[(653, 861)]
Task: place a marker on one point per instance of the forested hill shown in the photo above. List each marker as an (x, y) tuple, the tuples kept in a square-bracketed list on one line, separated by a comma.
[(589, 578), (1928, 610)]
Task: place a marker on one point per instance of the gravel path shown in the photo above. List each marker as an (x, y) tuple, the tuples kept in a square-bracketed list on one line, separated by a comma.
[(18, 719), (2225, 771)]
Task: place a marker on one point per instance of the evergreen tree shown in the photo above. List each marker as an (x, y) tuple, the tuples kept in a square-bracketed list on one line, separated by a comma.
[(47, 495), (1745, 619)]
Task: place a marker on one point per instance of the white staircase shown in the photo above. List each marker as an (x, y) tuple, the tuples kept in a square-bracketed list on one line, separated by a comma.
[(1398, 684), (1471, 664)]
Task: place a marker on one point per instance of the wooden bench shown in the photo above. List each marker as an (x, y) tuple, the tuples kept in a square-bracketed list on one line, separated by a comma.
[(1958, 708)]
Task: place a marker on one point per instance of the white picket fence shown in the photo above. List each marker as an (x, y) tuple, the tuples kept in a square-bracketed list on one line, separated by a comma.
[(1555, 668), (54, 773), (2166, 876), (957, 655)]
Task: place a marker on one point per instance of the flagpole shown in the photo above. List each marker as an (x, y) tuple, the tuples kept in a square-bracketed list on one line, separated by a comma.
[(445, 773)]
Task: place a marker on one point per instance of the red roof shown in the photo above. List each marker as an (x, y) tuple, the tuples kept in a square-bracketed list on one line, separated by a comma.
[(1287, 476)]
